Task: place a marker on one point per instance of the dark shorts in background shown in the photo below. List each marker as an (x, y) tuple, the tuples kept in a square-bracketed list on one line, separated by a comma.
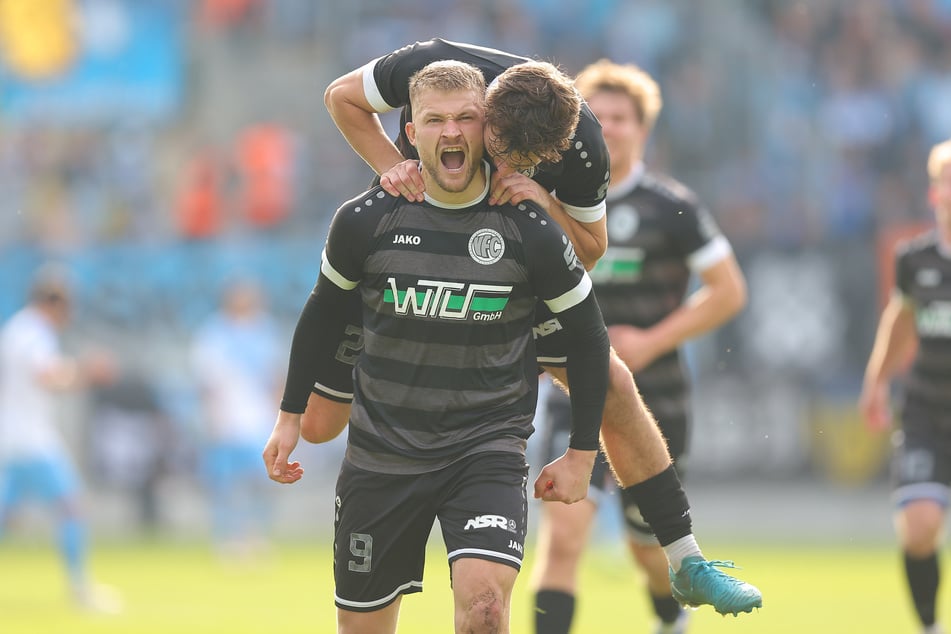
[(921, 461)]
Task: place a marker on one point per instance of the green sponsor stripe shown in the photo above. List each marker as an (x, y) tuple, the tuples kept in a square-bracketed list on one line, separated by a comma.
[(388, 296), (614, 267), (484, 304), (489, 304), (625, 267)]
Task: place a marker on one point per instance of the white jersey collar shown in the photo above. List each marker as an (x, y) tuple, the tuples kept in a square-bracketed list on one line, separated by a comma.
[(626, 186)]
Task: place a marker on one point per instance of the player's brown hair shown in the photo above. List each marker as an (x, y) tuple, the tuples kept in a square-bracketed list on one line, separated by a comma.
[(627, 79), (533, 110)]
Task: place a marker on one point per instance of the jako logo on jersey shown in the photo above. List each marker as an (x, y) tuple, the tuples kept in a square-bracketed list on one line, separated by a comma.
[(486, 246), (448, 300), (405, 238), (490, 521)]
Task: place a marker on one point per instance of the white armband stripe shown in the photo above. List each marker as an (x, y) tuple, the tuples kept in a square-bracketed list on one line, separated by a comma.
[(586, 214), (334, 276), (709, 254), (370, 89), (572, 298)]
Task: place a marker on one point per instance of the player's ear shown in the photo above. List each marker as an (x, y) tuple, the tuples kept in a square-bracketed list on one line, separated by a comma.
[(411, 133)]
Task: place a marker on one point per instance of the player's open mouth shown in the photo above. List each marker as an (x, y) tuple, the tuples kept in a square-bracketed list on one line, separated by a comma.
[(453, 159)]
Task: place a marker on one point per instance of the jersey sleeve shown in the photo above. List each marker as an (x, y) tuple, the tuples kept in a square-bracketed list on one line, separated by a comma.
[(697, 236), (386, 79), (348, 240), (563, 284), (558, 277), (583, 183), (904, 271), (328, 334)]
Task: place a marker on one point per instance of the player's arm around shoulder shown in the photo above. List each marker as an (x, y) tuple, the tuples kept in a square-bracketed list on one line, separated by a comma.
[(561, 281), (358, 120), (590, 239), (582, 188), (588, 234)]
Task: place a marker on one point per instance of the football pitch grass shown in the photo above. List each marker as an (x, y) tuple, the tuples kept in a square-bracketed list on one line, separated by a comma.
[(171, 587)]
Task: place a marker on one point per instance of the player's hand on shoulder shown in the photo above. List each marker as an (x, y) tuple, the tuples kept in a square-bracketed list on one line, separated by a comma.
[(515, 188), (404, 179)]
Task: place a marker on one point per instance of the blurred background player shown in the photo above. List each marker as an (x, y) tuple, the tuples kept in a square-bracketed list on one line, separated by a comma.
[(659, 234), (238, 365), (34, 460), (915, 327)]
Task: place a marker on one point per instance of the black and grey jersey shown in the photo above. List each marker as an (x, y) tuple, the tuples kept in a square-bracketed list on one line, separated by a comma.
[(448, 364), (579, 180), (923, 277), (659, 234)]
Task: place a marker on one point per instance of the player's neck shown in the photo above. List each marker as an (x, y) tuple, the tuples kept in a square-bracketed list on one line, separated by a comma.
[(622, 167), (476, 190), (625, 177)]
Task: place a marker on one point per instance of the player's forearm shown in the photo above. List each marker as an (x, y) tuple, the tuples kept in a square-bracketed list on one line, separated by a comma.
[(590, 239), (895, 342), (314, 340), (707, 308), (588, 354), (362, 129), (301, 370)]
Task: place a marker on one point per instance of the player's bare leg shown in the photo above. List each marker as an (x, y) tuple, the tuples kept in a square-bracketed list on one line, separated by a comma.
[(630, 436), (653, 561), (563, 533), (641, 463), (377, 622), (920, 526), (324, 419), (482, 593)]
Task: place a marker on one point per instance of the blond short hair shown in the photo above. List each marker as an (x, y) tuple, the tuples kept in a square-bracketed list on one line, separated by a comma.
[(447, 76), (938, 158), (627, 79)]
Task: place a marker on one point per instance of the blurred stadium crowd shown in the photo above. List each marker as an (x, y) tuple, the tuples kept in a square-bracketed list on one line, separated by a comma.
[(165, 147)]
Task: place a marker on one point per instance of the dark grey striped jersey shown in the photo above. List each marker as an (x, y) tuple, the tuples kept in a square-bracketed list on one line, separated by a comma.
[(448, 365), (923, 277), (658, 235)]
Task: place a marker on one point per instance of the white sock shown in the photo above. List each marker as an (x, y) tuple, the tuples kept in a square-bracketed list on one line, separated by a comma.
[(683, 547)]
